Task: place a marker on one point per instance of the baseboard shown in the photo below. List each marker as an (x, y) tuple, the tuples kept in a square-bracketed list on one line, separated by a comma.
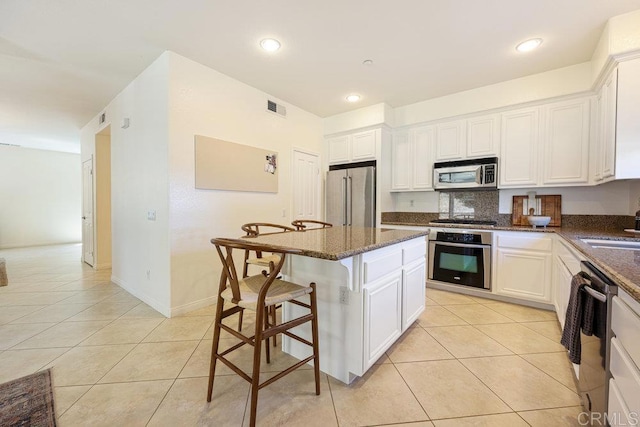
[(177, 311), (155, 304)]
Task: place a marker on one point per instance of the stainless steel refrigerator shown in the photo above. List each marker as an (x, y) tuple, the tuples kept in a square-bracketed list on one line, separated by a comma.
[(351, 196)]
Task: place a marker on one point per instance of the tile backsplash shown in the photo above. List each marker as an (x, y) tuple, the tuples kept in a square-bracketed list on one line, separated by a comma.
[(479, 205)]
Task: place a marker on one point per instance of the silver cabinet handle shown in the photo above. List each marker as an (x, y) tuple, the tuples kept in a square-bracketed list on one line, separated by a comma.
[(597, 295)]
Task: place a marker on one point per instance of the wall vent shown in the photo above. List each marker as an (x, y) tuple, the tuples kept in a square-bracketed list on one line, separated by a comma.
[(102, 118), (275, 108)]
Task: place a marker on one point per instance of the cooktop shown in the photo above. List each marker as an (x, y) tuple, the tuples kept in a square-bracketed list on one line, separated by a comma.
[(464, 221)]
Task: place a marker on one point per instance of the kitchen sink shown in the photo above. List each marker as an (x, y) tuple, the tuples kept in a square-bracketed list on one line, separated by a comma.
[(612, 244)]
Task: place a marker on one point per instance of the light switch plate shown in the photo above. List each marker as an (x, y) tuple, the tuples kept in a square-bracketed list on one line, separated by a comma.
[(151, 215)]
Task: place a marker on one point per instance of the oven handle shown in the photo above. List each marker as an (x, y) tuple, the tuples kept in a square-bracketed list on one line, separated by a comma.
[(597, 295), (460, 245)]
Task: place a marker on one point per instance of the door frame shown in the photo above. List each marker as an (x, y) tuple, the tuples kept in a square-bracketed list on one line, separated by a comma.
[(319, 188), (88, 234)]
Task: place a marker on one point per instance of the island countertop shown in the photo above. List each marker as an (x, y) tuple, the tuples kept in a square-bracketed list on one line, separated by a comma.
[(336, 243)]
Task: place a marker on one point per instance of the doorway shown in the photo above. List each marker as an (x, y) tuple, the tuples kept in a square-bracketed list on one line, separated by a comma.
[(306, 185), (102, 176), (87, 211)]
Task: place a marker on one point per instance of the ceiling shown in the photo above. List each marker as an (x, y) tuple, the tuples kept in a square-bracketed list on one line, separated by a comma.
[(62, 61)]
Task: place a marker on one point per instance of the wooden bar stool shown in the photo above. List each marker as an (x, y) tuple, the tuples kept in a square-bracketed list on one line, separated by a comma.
[(304, 224), (258, 293)]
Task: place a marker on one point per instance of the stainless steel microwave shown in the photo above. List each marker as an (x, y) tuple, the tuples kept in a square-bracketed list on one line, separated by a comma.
[(473, 174)]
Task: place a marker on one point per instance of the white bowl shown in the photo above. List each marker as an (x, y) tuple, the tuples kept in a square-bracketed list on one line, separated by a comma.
[(539, 220)]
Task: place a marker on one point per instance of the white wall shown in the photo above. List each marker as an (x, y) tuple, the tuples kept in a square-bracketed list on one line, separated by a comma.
[(40, 197), (206, 102), (373, 115), (140, 174)]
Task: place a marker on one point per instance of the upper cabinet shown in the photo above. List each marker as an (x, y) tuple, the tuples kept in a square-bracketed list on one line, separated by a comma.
[(355, 147), (604, 146), (470, 138), (520, 147), (412, 159)]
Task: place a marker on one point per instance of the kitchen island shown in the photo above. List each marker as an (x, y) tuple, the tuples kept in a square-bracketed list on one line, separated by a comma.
[(370, 289)]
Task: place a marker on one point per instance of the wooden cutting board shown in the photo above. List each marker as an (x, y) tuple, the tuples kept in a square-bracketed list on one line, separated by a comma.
[(548, 206)]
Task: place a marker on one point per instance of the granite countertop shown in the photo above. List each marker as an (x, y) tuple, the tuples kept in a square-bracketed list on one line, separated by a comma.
[(337, 243), (622, 265)]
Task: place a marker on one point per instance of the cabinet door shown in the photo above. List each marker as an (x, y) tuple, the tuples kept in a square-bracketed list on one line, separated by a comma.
[(519, 148), (597, 141), (339, 149), (382, 316), (483, 136), (562, 288), (423, 140), (400, 161), (363, 146), (413, 292), (524, 274), (608, 120), (450, 140), (566, 142)]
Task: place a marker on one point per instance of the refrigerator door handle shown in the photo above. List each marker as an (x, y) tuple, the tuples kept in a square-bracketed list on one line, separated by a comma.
[(350, 200), (344, 200)]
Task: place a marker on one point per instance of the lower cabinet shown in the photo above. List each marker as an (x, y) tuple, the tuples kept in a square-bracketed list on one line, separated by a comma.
[(413, 292), (382, 316), (523, 265)]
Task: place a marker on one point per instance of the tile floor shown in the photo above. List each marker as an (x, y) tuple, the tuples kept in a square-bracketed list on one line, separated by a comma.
[(467, 361)]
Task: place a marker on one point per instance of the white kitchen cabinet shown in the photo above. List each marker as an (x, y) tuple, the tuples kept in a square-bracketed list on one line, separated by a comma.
[(523, 265), (519, 147), (354, 147), (382, 316), (414, 276), (483, 136), (566, 142), (566, 264), (450, 140), (412, 159), (604, 145)]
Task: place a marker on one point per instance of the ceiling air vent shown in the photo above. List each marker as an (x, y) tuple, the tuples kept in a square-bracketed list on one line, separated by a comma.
[(275, 108), (102, 118)]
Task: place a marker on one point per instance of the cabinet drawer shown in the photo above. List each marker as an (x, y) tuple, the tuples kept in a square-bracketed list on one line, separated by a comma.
[(627, 376), (617, 411), (381, 262), (414, 250), (535, 243), (626, 324)]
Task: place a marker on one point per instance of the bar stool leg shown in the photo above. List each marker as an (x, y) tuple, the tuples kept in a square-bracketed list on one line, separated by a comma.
[(214, 346), (266, 345), (255, 383), (314, 332)]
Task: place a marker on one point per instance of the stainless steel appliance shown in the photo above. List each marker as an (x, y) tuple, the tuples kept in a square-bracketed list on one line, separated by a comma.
[(465, 221), (593, 377), (474, 174), (351, 195), (460, 257)]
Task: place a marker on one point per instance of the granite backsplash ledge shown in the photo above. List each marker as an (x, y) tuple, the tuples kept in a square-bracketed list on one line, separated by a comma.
[(574, 222)]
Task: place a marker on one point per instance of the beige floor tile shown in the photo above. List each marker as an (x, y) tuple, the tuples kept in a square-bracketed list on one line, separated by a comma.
[(418, 424), (127, 331), (467, 341), (66, 334), (103, 311), (477, 315), (439, 386), (122, 297), (84, 284), (550, 329), (439, 316), (33, 298), (125, 404), (498, 420), (520, 385), (142, 311), (292, 401), (447, 298), (86, 365), (12, 334), (429, 301), (209, 310), (54, 313), (18, 363), (64, 397), (520, 313), (381, 396), (12, 313), (383, 359), (186, 404), (559, 417), (152, 361), (89, 297), (520, 339), (417, 345), (181, 329), (557, 365)]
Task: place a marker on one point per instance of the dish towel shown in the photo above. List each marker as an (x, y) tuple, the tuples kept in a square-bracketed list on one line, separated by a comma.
[(573, 320)]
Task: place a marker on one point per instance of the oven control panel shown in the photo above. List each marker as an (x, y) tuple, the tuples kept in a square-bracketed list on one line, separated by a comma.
[(461, 236)]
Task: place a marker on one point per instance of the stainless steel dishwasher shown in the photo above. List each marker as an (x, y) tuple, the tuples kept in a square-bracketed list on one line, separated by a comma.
[(593, 381)]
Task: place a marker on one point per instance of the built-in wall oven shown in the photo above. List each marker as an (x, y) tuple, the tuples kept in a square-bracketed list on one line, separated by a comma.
[(460, 257)]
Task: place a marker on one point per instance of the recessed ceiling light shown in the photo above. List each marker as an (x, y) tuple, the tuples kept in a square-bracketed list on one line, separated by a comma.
[(270, 45), (528, 45), (367, 62), (353, 98)]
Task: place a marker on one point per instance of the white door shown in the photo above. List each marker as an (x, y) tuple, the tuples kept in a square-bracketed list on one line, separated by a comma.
[(87, 211), (306, 186)]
